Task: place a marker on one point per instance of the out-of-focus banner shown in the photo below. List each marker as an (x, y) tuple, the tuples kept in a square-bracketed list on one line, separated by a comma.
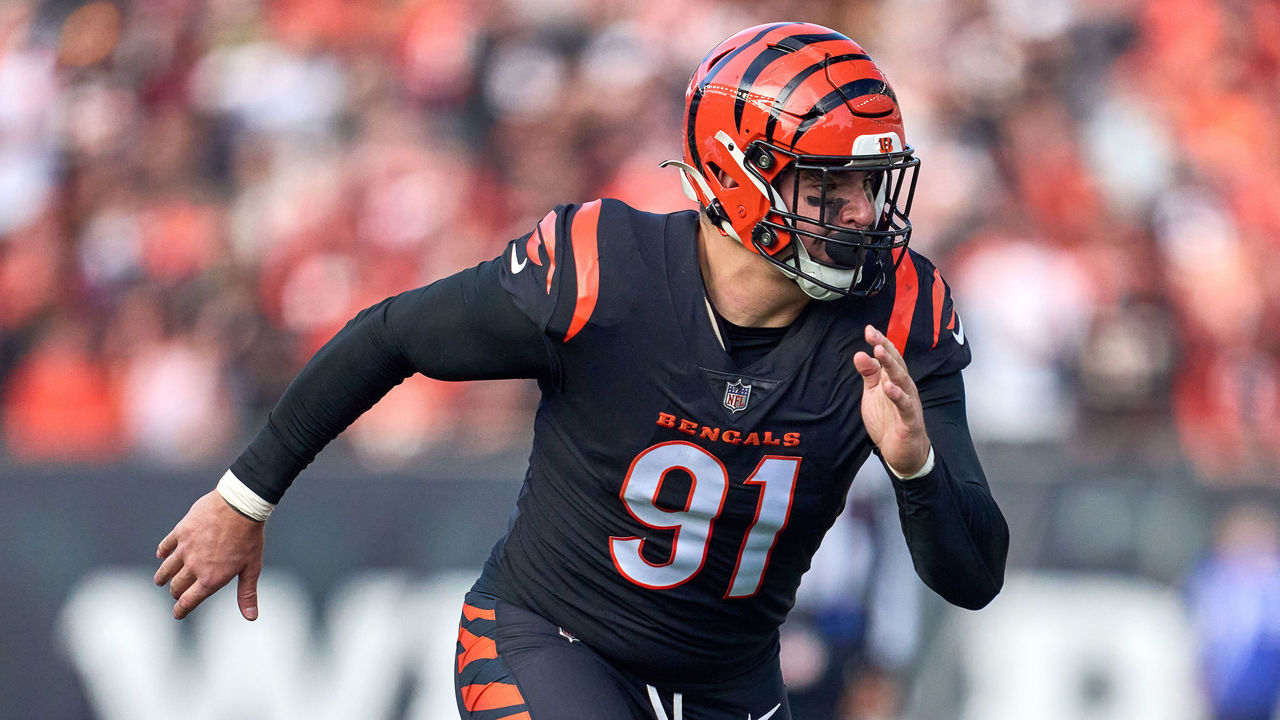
[(359, 599), (365, 574), (381, 648)]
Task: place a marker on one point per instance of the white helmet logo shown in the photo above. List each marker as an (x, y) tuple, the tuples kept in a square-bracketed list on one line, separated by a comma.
[(879, 144)]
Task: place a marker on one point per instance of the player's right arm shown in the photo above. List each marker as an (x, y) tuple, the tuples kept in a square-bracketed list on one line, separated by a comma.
[(463, 327)]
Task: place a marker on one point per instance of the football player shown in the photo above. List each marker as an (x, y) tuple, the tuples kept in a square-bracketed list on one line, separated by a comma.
[(711, 382)]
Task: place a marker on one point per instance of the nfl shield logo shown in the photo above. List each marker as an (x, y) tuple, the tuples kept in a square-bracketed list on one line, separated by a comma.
[(736, 395)]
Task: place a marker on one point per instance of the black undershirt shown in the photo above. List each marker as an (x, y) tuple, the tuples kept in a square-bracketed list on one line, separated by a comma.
[(746, 345)]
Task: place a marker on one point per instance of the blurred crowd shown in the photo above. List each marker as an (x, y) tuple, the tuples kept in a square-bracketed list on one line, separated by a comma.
[(195, 195)]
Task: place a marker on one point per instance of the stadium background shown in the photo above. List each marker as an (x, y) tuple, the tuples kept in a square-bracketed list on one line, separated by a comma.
[(195, 195)]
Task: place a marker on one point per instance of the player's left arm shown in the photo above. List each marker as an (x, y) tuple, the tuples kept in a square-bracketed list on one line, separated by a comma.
[(958, 537), (956, 534)]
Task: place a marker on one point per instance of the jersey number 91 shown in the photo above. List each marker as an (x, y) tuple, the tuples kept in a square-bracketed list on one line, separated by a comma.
[(693, 526)]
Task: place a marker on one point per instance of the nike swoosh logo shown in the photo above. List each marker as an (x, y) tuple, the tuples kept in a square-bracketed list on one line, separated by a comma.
[(516, 267), (767, 715), (958, 333)]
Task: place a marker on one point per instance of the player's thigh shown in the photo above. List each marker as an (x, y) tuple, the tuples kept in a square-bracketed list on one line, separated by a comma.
[(514, 665)]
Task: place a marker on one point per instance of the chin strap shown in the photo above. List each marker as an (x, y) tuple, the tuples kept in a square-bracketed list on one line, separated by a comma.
[(824, 273)]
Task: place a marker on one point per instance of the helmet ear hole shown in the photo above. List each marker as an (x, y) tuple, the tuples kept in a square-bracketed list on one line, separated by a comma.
[(726, 180)]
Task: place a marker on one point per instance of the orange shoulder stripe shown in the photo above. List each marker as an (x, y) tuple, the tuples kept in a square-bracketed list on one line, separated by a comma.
[(491, 696), (545, 234), (586, 260), (906, 288), (471, 612), (939, 296)]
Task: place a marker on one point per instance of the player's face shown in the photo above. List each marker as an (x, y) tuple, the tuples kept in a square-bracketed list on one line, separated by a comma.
[(845, 198)]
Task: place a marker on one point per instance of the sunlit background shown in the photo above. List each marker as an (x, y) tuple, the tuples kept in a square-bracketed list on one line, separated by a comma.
[(195, 195)]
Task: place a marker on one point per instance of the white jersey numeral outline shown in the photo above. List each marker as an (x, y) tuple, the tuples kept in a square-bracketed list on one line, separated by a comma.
[(775, 474)]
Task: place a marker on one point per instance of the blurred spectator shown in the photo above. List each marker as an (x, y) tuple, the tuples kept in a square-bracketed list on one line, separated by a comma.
[(1125, 367), (28, 131), (1234, 598), (850, 642), (1027, 304), (1227, 398), (1101, 184), (60, 406)]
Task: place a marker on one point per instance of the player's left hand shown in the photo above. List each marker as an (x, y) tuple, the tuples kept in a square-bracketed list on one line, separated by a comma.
[(891, 406)]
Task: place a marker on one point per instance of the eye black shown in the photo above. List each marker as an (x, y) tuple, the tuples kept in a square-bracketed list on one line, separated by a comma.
[(832, 202)]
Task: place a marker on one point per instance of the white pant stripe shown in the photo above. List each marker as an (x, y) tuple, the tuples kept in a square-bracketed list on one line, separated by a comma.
[(677, 705)]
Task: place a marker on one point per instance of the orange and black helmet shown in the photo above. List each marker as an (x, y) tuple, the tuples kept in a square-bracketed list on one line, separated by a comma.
[(799, 96)]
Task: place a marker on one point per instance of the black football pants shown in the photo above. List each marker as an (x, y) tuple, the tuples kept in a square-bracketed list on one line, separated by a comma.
[(513, 664)]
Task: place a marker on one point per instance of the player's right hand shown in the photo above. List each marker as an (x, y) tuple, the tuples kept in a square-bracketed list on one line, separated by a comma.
[(210, 545)]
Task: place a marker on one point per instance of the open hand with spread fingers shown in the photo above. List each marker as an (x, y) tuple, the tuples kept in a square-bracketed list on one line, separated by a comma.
[(210, 545), (891, 406)]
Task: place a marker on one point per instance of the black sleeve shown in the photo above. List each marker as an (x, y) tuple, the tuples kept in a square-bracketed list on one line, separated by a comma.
[(956, 533), (463, 327)]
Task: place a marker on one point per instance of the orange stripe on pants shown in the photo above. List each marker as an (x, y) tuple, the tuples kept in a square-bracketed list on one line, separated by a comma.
[(471, 612), (474, 647), (490, 697)]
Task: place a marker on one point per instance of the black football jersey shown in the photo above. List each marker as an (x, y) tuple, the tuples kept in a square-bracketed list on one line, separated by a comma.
[(674, 500)]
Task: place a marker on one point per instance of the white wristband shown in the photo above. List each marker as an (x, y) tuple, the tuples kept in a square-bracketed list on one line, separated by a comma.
[(240, 497), (928, 467)]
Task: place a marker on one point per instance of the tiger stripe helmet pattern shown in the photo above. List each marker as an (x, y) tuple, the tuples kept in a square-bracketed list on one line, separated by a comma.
[(801, 96)]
